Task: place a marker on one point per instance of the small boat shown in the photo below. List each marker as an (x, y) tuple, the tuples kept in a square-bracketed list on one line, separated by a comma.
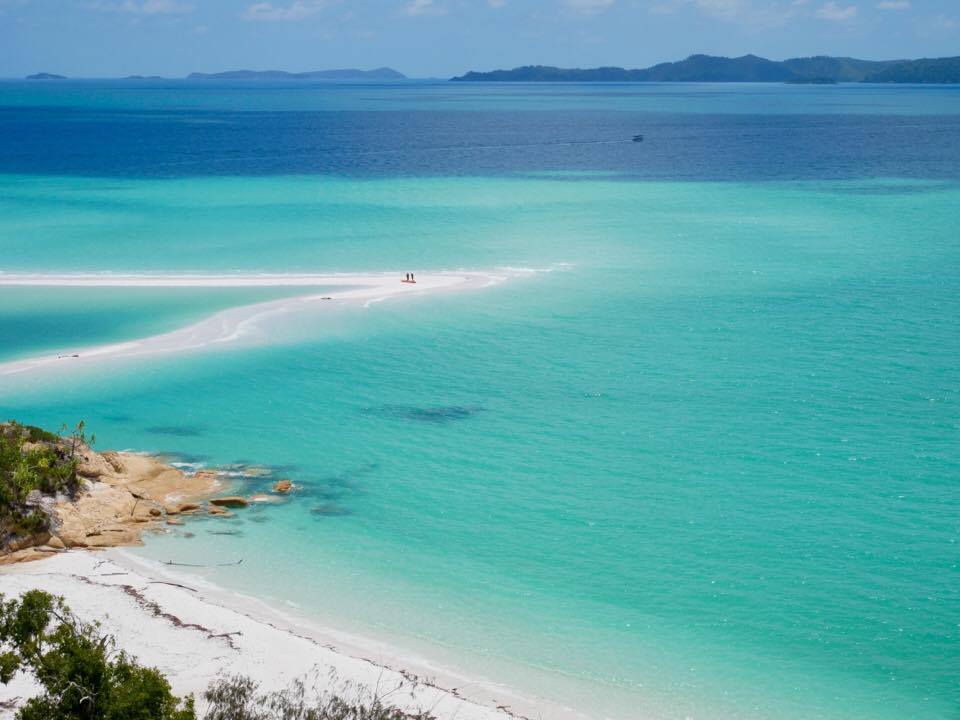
[(638, 138)]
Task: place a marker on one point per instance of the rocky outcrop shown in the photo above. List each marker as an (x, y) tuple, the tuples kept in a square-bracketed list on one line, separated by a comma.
[(122, 495)]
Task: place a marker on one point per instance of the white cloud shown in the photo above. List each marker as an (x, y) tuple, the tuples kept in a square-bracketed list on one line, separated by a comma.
[(834, 13), (143, 7), (667, 7), (894, 5), (944, 22), (268, 12), (725, 9), (423, 7), (744, 12), (158, 7), (588, 7)]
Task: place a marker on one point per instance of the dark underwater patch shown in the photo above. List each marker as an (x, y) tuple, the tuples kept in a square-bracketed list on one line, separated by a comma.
[(328, 489), (174, 456), (329, 509), (176, 430), (437, 415)]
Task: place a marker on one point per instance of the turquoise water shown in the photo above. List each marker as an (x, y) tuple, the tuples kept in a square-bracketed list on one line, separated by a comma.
[(702, 465), (707, 469), (36, 320)]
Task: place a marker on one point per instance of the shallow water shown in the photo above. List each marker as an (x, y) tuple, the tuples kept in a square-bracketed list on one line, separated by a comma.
[(705, 466), (41, 320)]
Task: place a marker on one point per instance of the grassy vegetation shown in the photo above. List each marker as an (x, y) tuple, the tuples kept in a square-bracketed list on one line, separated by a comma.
[(84, 677), (32, 459), (238, 698)]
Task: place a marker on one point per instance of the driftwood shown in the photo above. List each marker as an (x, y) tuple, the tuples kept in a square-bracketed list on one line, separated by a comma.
[(230, 564), (163, 582)]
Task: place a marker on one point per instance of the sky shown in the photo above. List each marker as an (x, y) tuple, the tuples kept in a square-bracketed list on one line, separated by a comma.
[(441, 38)]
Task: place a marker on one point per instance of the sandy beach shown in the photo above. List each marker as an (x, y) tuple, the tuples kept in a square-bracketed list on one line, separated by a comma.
[(182, 626), (236, 324)]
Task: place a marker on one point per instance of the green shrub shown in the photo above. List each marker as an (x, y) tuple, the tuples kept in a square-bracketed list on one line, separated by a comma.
[(82, 674), (84, 677), (33, 459)]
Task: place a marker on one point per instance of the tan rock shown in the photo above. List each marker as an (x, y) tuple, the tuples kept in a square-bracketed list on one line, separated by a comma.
[(233, 501), (124, 495), (142, 513), (115, 461), (282, 486), (74, 541), (174, 521), (219, 511), (25, 555), (27, 542), (92, 464)]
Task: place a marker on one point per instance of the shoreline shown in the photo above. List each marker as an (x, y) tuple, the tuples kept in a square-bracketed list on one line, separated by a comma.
[(234, 324), (195, 631)]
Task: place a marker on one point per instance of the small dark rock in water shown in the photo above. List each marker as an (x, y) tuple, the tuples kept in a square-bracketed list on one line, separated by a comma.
[(330, 510), (437, 415), (175, 430), (231, 501)]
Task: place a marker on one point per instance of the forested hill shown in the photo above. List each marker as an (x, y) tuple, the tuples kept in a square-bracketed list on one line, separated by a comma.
[(748, 68)]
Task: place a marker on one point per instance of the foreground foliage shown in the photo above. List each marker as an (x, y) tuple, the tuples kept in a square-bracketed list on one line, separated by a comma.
[(84, 677), (34, 463), (82, 674)]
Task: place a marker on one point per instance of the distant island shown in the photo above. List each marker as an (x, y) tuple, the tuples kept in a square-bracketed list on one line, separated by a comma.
[(46, 76), (748, 68), (383, 73)]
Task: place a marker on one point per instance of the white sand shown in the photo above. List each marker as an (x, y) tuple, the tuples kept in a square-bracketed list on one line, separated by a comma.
[(192, 637), (239, 323)]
